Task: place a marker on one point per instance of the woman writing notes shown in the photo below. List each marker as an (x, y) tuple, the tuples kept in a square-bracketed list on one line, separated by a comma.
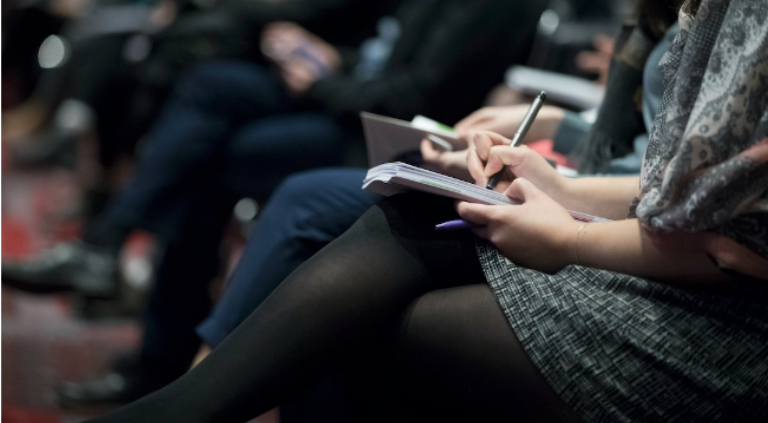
[(662, 316)]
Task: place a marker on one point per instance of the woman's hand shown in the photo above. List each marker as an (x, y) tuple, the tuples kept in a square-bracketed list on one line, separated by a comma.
[(451, 163), (490, 152), (506, 120), (538, 234)]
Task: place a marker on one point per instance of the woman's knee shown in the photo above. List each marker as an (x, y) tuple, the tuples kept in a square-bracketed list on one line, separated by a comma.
[(458, 353), (453, 324)]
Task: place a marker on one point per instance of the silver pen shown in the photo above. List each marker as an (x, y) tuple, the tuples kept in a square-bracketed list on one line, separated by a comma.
[(525, 125)]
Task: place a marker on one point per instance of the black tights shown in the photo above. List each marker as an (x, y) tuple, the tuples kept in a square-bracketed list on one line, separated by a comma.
[(391, 283)]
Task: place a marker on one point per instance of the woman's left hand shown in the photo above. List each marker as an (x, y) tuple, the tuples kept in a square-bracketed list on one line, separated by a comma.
[(538, 234), (451, 163)]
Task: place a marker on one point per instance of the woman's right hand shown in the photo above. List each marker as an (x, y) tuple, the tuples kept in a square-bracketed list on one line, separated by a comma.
[(489, 152)]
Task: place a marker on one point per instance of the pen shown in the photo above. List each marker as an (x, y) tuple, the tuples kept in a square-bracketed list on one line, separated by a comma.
[(525, 125), (457, 224)]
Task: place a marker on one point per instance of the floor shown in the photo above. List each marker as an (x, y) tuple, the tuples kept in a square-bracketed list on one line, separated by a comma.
[(46, 339)]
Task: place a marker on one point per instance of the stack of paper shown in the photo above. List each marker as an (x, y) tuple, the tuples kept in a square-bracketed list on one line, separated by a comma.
[(392, 178)]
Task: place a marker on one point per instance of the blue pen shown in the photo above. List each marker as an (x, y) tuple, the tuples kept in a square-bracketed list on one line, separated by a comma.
[(453, 225)]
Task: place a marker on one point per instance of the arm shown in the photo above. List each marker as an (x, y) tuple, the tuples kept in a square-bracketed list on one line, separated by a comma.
[(446, 49), (626, 247), (540, 234), (505, 120), (606, 197)]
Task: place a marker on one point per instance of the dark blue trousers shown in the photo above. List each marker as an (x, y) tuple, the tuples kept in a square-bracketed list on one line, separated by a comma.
[(229, 131), (305, 213)]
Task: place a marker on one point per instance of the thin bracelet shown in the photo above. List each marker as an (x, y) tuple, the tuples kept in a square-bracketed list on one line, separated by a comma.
[(576, 246)]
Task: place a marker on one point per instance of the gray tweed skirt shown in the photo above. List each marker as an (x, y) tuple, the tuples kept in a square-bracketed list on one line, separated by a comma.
[(619, 348)]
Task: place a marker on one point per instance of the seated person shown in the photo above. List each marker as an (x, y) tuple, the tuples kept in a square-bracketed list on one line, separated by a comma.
[(236, 129), (544, 318), (312, 208), (106, 63)]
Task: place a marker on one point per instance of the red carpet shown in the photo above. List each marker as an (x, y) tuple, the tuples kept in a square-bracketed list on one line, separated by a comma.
[(44, 341)]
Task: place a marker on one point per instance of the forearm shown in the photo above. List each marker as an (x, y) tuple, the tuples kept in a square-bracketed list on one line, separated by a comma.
[(602, 196), (625, 247)]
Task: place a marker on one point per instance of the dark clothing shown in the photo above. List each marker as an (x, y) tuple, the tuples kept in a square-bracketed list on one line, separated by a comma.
[(339, 22), (231, 126), (390, 285), (232, 29), (224, 136), (448, 57), (307, 211), (100, 69), (311, 209)]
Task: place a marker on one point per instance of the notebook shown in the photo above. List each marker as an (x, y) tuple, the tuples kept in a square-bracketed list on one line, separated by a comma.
[(392, 178), (387, 138)]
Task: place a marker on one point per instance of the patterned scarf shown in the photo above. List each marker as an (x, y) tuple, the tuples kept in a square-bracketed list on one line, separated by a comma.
[(706, 167)]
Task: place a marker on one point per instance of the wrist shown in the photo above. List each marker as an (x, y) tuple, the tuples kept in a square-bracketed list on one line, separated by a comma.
[(563, 189), (569, 243)]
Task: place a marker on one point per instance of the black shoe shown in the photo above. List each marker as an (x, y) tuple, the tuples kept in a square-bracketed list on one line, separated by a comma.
[(129, 380), (72, 266)]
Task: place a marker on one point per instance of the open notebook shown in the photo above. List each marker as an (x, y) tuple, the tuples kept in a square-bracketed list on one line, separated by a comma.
[(391, 178)]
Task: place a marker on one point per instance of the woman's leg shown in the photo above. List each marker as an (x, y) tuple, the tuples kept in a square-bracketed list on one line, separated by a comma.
[(326, 313), (331, 310), (457, 359)]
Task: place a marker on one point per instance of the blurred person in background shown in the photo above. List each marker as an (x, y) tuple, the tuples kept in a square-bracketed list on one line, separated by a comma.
[(236, 129), (108, 71)]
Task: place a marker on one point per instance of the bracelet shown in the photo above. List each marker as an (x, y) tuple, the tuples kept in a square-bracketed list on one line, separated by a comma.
[(576, 246)]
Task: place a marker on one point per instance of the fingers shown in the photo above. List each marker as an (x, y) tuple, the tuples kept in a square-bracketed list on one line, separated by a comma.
[(485, 140), (298, 69), (428, 151), (603, 44), (464, 125), (278, 29), (524, 190), (482, 232), (297, 76), (477, 156), (476, 167), (480, 214), (500, 156)]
